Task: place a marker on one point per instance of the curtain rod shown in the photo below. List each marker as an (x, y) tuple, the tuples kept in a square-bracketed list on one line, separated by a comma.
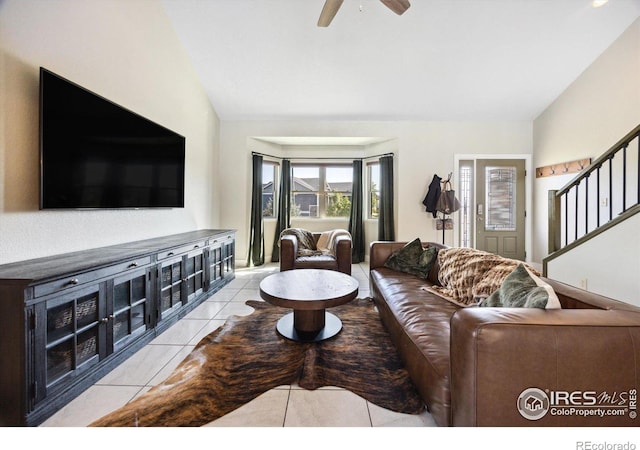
[(326, 157)]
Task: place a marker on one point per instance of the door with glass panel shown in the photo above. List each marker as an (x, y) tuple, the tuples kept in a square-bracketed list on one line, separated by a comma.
[(500, 207)]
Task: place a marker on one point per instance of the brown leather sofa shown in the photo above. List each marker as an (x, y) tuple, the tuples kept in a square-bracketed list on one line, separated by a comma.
[(339, 259), (575, 366)]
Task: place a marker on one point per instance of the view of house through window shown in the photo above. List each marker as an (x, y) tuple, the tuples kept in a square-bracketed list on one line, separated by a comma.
[(268, 188), (321, 190)]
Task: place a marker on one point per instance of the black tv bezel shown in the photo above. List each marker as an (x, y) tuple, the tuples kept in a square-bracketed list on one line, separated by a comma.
[(124, 109)]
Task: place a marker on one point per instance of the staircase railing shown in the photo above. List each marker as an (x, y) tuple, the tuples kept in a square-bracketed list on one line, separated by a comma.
[(603, 194)]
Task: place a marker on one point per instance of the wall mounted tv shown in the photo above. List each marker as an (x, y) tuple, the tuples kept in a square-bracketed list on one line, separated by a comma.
[(97, 154)]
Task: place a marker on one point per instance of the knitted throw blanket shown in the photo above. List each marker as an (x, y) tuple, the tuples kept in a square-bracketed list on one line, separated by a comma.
[(306, 242), (468, 275), (327, 240)]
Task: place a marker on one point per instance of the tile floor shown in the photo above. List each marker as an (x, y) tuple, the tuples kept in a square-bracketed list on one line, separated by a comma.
[(285, 406)]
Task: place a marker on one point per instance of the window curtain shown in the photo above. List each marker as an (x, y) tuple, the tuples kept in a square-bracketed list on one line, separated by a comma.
[(356, 225), (284, 207), (256, 235), (386, 230)]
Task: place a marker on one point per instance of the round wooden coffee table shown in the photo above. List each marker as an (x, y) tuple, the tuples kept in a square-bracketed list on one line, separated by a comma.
[(309, 292)]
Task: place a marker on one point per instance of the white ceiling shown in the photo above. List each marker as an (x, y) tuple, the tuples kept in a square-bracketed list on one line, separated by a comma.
[(459, 60)]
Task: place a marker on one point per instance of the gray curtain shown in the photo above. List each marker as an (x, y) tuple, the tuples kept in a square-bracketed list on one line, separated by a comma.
[(386, 229), (256, 235), (356, 225), (284, 207)]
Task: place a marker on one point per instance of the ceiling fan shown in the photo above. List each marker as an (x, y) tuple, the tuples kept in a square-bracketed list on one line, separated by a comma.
[(331, 7)]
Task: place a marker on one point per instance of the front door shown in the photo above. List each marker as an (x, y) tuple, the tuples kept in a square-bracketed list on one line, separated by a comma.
[(500, 207)]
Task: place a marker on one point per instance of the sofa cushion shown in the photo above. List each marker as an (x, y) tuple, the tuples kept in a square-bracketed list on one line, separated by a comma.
[(413, 259), (521, 288), (419, 324)]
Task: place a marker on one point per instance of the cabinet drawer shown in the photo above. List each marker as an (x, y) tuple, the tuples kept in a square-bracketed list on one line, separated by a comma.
[(87, 277), (219, 239), (179, 250)]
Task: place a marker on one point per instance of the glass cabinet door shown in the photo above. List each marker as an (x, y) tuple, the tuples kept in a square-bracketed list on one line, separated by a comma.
[(228, 262), (171, 280), (130, 307), (73, 333), (215, 264), (194, 274)]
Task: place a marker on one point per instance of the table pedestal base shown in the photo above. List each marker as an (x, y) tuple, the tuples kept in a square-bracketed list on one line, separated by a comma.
[(309, 326)]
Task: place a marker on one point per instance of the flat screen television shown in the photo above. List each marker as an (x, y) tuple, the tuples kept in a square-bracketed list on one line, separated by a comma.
[(95, 154)]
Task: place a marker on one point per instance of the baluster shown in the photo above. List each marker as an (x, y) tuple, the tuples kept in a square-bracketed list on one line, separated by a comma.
[(586, 203), (576, 212), (566, 218), (598, 196), (624, 177), (611, 186)]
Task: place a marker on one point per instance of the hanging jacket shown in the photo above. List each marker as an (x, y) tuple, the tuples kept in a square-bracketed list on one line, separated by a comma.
[(433, 194)]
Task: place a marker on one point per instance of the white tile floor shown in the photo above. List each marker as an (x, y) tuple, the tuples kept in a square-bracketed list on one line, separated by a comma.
[(285, 406)]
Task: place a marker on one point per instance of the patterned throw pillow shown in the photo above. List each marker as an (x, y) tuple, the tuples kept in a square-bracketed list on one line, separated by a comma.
[(413, 259), (521, 288)]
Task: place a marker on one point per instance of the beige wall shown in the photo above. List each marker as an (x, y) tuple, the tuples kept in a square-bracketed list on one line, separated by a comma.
[(421, 148), (127, 52), (607, 264), (592, 114)]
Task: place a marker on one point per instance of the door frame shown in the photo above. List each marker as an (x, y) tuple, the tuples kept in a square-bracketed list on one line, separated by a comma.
[(528, 182)]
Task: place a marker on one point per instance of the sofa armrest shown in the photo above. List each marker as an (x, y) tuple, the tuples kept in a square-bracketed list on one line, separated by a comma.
[(288, 252), (342, 252), (499, 353)]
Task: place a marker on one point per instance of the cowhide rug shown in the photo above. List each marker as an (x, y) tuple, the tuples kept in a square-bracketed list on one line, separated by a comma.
[(247, 357)]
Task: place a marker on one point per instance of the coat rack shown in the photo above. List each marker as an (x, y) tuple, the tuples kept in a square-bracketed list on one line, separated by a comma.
[(441, 199), (442, 208)]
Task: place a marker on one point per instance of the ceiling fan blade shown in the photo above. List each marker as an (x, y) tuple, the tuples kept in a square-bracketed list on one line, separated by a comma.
[(397, 6), (329, 11)]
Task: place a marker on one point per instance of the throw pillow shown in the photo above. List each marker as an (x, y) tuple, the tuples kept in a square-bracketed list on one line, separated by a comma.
[(493, 278), (521, 288), (413, 259)]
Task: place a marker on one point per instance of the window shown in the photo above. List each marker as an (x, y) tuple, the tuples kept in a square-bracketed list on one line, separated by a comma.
[(500, 198), (268, 188), (321, 190), (373, 176), (466, 201)]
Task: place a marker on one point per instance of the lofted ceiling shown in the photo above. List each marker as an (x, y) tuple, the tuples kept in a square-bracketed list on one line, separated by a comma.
[(442, 60)]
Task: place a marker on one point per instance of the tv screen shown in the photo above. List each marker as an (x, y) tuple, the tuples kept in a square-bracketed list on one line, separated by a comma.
[(97, 154)]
